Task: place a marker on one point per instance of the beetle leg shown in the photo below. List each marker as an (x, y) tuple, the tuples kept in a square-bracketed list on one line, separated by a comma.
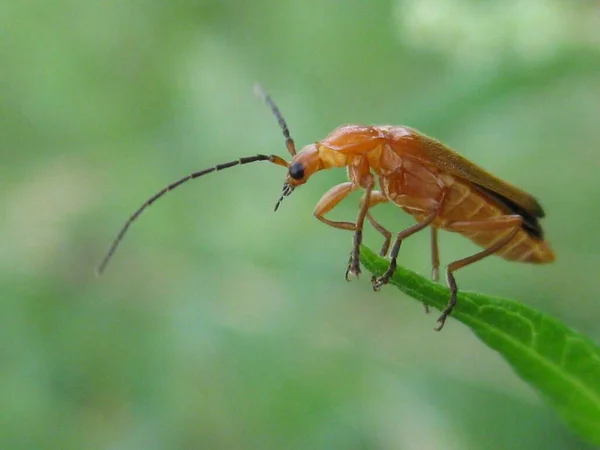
[(330, 200), (365, 204), (380, 281), (435, 255), (387, 235), (386, 243), (434, 208), (378, 197), (435, 260), (369, 200), (511, 223)]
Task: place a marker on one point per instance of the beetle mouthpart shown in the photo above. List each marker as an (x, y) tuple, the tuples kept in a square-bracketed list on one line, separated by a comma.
[(287, 190)]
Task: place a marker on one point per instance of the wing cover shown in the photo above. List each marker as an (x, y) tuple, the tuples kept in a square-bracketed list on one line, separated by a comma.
[(512, 197), (531, 224)]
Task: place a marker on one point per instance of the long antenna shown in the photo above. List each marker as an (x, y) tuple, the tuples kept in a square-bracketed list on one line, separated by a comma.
[(271, 158), (289, 142)]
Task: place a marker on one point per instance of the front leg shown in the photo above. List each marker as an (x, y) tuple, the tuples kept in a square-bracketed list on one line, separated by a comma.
[(365, 204), (329, 201)]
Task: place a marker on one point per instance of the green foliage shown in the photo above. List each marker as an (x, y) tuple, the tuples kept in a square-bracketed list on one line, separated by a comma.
[(561, 364)]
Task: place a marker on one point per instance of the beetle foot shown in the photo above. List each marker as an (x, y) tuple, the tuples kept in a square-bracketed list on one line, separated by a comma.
[(447, 310), (378, 282), (353, 270), (441, 321)]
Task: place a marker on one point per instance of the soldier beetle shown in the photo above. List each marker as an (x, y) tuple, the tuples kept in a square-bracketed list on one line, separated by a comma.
[(438, 187)]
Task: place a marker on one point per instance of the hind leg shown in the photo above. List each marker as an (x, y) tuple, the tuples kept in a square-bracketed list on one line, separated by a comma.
[(507, 226)]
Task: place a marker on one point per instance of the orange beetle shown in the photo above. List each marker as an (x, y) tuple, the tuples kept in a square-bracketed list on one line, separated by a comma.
[(438, 187)]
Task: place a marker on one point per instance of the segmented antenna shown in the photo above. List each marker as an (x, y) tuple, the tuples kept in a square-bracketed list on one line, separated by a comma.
[(289, 142), (272, 158)]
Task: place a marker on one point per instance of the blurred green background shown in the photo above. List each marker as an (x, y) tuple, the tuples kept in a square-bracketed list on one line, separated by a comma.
[(221, 325)]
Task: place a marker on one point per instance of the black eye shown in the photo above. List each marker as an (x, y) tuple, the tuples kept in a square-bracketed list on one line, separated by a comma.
[(297, 171)]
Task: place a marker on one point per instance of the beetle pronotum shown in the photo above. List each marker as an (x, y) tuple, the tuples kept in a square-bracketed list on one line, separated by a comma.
[(438, 187)]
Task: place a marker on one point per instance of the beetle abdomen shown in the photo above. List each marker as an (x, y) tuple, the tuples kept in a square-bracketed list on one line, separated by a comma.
[(465, 202)]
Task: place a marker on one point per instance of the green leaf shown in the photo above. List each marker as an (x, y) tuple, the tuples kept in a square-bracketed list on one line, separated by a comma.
[(561, 365)]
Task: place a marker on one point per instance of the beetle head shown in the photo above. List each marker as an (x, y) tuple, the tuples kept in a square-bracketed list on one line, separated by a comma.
[(302, 166)]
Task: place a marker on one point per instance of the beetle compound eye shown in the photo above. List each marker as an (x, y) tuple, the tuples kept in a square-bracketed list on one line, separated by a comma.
[(297, 171)]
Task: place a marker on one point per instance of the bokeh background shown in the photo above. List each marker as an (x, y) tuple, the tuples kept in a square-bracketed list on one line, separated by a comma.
[(221, 325)]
